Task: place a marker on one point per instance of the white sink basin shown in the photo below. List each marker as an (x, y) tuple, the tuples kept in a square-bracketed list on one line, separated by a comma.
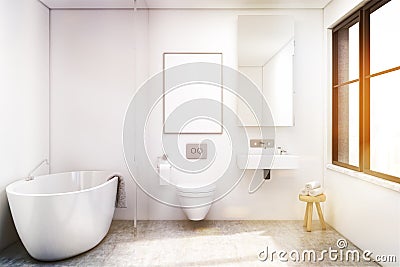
[(262, 162)]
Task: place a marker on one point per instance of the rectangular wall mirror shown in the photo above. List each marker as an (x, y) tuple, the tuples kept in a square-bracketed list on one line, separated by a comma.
[(194, 107), (265, 55)]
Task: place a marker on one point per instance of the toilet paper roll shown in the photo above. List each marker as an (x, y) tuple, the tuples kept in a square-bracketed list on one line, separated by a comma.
[(164, 171)]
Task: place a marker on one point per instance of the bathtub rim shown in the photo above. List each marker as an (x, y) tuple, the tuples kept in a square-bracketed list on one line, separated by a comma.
[(10, 189)]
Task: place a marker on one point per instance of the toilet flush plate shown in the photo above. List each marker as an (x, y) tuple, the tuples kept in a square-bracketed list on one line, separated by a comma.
[(196, 151)]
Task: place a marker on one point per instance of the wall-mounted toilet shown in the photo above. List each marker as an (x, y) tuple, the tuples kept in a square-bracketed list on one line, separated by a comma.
[(194, 197), (196, 202)]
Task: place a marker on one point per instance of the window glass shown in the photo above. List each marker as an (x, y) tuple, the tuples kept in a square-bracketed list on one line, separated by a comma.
[(348, 54), (385, 37), (380, 148), (384, 123), (348, 124)]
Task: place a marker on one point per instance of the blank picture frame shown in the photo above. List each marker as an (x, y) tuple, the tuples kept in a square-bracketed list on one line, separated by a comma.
[(183, 109)]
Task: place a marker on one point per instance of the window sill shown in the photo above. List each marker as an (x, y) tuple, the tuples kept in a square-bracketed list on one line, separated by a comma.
[(365, 177)]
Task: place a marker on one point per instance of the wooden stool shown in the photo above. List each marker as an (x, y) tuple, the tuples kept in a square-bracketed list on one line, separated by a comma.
[(309, 210)]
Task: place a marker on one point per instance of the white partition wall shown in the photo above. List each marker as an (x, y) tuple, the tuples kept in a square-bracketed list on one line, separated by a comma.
[(93, 80), (24, 97)]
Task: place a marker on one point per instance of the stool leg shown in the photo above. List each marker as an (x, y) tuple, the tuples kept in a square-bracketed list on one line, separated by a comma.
[(321, 216), (305, 216), (309, 216)]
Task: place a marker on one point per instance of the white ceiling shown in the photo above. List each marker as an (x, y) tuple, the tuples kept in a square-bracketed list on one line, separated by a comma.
[(54, 4)]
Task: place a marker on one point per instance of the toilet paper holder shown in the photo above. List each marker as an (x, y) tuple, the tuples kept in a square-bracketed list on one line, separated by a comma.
[(162, 160), (164, 176), (163, 157)]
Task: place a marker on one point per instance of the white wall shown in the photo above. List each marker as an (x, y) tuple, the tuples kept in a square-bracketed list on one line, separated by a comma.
[(89, 97), (216, 30), (94, 76), (24, 97), (365, 213)]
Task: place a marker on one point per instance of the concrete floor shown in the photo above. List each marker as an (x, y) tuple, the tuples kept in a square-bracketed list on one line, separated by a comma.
[(205, 243)]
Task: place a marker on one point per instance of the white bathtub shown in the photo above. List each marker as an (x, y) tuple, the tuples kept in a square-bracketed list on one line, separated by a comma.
[(61, 215)]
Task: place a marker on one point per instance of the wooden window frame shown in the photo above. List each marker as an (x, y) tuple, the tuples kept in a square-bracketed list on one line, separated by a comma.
[(351, 20), (362, 16)]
